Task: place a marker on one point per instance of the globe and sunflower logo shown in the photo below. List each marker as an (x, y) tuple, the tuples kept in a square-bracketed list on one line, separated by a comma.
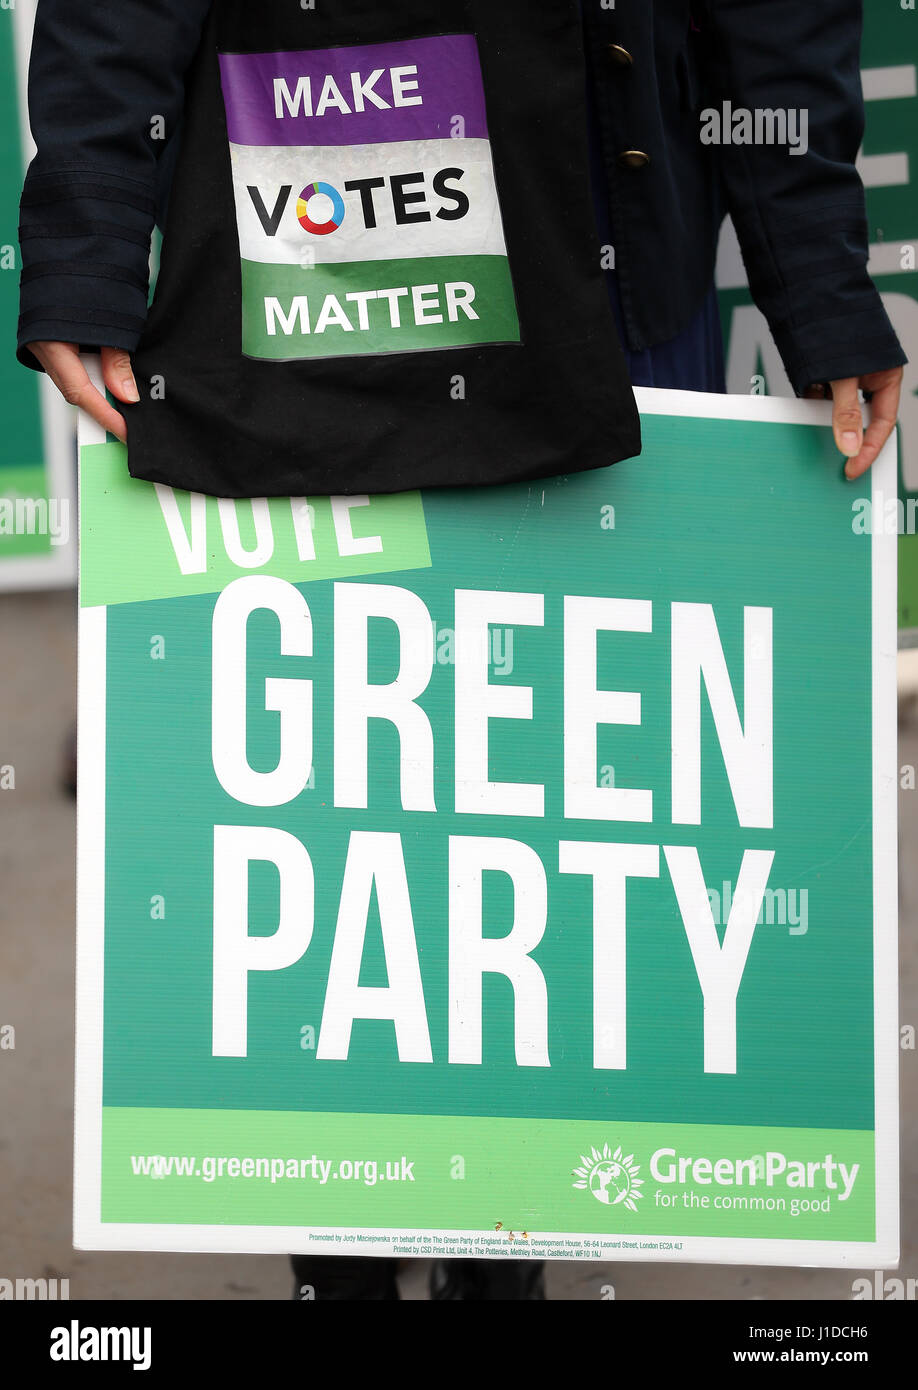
[(611, 1177)]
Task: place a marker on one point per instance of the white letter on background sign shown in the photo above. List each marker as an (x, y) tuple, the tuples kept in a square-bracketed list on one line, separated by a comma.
[(190, 551), (375, 857), (290, 696), (235, 951), (357, 701), (471, 955), (697, 655), (477, 701), (585, 707), (610, 865), (719, 968), (348, 543), (232, 539)]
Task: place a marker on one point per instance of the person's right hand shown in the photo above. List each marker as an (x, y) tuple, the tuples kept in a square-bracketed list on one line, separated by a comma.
[(62, 363)]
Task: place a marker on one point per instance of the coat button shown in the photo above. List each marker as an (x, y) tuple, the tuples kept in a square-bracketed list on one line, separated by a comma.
[(633, 159), (619, 55)]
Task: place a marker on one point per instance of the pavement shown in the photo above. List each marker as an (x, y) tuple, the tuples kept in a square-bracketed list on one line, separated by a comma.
[(37, 873)]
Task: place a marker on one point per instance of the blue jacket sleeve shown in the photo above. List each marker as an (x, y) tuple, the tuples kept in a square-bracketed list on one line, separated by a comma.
[(801, 217), (106, 86)]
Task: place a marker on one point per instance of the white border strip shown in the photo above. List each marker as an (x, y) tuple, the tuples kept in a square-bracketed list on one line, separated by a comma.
[(90, 890), (884, 612), (90, 934), (90, 1233), (710, 405), (286, 1240)]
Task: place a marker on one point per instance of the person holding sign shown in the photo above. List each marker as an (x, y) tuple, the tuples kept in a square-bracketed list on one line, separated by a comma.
[(465, 272), (385, 236)]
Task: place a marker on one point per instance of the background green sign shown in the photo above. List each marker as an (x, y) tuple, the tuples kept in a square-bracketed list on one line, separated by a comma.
[(38, 449), (568, 1087), (887, 164)]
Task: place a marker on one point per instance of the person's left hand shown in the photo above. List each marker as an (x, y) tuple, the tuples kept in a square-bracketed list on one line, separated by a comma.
[(861, 446)]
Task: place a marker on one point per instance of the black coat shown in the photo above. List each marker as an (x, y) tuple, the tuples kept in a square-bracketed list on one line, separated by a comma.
[(102, 71)]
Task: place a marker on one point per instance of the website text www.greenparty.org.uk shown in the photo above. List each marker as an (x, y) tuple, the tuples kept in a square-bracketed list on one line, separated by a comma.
[(209, 1168)]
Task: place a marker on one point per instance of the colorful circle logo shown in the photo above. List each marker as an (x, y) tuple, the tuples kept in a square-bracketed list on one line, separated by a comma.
[(302, 204)]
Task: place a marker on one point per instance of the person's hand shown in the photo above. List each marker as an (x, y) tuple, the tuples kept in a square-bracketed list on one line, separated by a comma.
[(62, 363), (860, 446)]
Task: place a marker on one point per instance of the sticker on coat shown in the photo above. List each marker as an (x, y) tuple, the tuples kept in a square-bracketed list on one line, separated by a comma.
[(365, 199)]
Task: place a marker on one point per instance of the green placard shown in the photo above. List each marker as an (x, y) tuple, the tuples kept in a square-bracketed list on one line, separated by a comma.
[(521, 860)]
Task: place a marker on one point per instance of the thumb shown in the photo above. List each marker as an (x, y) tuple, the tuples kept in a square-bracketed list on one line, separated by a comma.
[(118, 374), (847, 421)]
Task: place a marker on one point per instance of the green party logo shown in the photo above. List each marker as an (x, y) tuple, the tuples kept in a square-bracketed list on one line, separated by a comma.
[(610, 1177)]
